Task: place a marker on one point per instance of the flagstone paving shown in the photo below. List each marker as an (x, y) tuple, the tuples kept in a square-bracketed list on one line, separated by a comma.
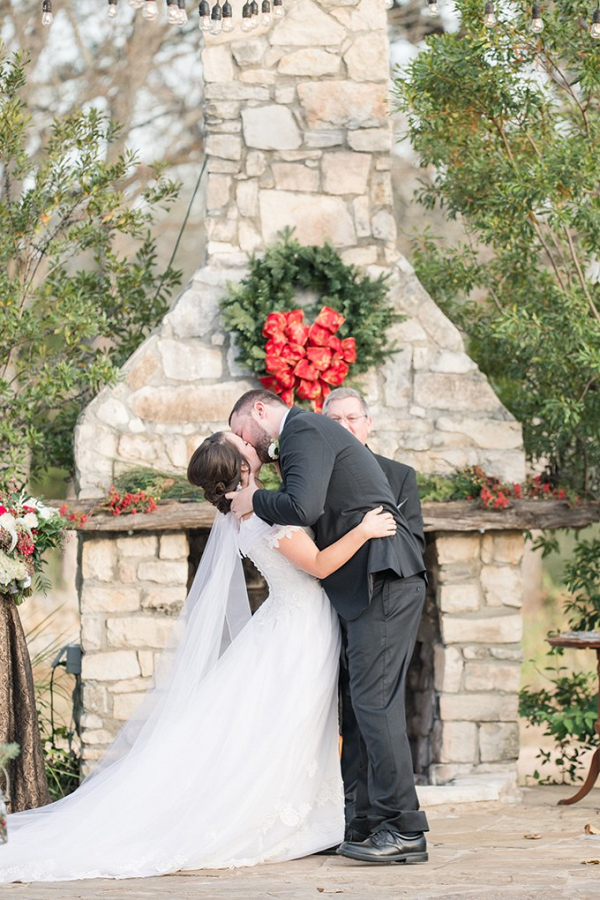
[(531, 850)]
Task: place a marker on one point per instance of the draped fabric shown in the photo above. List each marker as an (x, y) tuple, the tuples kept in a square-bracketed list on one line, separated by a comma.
[(18, 716)]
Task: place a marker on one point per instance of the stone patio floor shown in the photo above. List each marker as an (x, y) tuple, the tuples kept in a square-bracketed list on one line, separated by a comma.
[(481, 851)]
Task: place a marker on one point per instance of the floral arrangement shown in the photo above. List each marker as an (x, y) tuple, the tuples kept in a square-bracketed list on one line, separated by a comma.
[(129, 501), (27, 529), (306, 361), (473, 483)]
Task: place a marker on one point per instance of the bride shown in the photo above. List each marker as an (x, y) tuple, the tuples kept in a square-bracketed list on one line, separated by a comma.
[(232, 759)]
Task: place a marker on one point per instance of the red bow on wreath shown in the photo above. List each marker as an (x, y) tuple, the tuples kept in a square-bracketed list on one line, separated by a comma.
[(306, 360)]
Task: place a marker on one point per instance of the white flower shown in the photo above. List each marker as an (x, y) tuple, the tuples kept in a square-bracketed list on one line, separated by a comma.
[(29, 520), (273, 450), (47, 512), (592, 273), (12, 570)]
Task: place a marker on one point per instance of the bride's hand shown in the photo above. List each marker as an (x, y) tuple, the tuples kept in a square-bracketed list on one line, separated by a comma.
[(378, 524)]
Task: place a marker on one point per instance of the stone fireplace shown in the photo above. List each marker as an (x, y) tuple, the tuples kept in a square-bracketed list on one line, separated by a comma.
[(298, 134)]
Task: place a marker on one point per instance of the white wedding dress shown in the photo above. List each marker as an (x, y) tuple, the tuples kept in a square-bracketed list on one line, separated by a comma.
[(233, 760)]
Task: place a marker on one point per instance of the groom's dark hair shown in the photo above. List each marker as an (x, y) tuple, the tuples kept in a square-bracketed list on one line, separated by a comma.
[(246, 401)]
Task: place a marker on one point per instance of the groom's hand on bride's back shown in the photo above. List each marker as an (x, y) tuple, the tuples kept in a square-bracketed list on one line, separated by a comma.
[(241, 501)]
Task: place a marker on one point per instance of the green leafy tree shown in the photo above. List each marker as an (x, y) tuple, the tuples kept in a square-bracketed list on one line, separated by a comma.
[(510, 122), (72, 306)]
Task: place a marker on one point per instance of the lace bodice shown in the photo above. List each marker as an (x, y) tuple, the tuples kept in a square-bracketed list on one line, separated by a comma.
[(288, 585)]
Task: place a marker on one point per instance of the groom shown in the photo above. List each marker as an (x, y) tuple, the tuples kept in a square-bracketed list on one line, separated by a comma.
[(329, 481)]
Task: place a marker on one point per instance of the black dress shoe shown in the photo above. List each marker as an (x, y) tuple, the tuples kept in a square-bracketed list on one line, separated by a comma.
[(387, 846)]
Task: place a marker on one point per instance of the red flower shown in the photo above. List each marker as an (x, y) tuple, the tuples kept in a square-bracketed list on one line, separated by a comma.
[(330, 319), (274, 324), (319, 336), (546, 489), (320, 357), (561, 495), (349, 350), (2, 510), (305, 370)]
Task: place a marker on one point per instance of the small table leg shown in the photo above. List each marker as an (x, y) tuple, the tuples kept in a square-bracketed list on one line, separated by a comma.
[(594, 771)]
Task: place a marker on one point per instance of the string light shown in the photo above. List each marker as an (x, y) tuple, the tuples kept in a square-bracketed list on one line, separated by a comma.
[(215, 20), (595, 26), (433, 8)]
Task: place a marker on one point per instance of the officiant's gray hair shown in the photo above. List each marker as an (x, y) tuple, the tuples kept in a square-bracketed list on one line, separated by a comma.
[(244, 405), (343, 394)]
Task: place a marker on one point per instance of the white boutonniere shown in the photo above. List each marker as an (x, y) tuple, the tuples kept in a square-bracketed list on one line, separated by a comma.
[(273, 450)]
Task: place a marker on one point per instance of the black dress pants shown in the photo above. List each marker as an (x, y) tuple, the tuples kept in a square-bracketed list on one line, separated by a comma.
[(379, 646)]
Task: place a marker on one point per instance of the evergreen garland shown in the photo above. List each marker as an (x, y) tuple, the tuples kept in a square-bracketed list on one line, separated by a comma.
[(271, 285)]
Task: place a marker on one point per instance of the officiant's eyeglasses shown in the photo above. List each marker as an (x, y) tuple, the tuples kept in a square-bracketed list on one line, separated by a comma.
[(351, 420)]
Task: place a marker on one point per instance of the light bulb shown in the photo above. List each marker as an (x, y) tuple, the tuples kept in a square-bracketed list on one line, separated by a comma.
[(254, 13), (150, 10), (433, 8), (278, 9), (389, 4), (227, 17), (489, 18), (172, 12), (265, 9), (182, 15), (246, 17), (216, 19), (537, 23), (47, 17), (204, 12), (595, 26), (112, 8)]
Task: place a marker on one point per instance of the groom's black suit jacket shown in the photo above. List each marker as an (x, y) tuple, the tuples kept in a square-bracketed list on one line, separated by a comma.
[(330, 480), (403, 482)]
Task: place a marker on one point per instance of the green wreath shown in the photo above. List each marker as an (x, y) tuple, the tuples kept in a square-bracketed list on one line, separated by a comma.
[(271, 285)]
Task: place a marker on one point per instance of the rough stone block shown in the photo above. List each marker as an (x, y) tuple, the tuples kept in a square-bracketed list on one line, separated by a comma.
[(146, 660), (95, 698), (217, 64), (311, 62), (503, 548), (140, 632), (171, 572), (457, 598), (498, 741), (500, 629), (250, 51), (125, 705), (457, 548), (448, 666), (247, 197), (96, 599), (458, 743), (306, 25), (483, 707), (344, 104), (92, 629), (190, 360), (368, 58), (295, 177), (218, 192), (502, 585), (270, 128), (173, 546), (435, 390), (492, 676), (181, 405), (383, 226), (98, 559), (317, 218), (110, 666), (142, 545), (346, 173)]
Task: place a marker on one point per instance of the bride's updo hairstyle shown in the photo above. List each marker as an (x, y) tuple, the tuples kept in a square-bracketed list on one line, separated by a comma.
[(216, 467)]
